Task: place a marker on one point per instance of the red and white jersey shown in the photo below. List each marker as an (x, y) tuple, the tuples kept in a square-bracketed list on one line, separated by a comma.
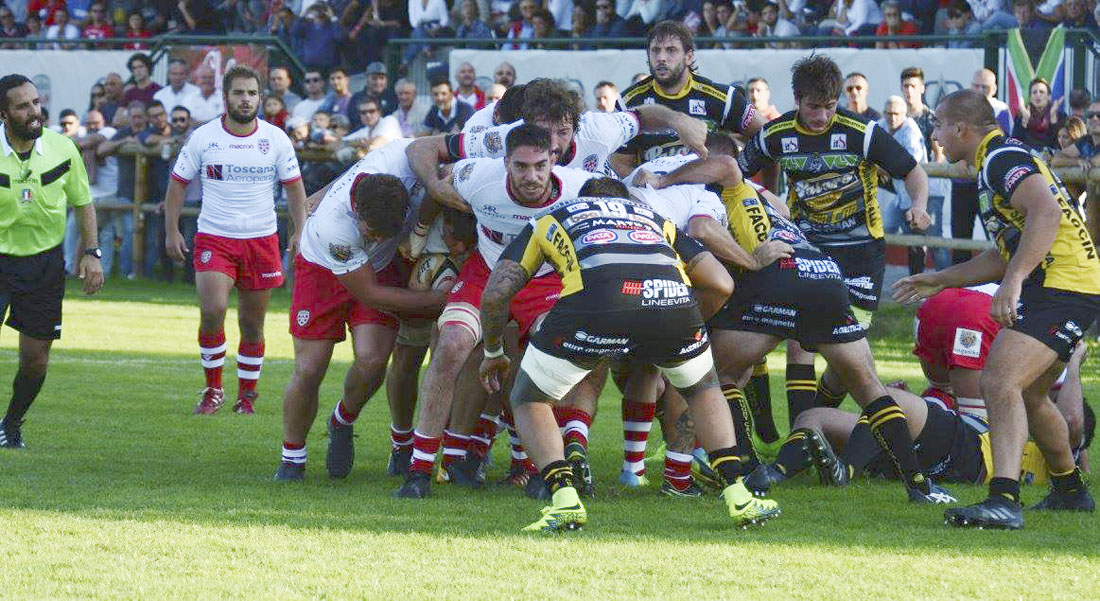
[(483, 184), (481, 120), (597, 138), (239, 175), (679, 204), (331, 236)]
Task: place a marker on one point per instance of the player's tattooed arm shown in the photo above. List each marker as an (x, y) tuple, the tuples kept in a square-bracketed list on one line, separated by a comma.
[(425, 156), (507, 279)]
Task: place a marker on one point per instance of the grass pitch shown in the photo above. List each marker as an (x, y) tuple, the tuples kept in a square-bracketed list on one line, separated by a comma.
[(123, 494)]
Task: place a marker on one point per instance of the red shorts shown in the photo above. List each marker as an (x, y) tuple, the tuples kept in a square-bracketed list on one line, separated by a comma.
[(322, 309), (535, 299), (253, 263), (954, 329)]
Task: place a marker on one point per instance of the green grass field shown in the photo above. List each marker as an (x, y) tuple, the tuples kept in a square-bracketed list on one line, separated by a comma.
[(123, 494)]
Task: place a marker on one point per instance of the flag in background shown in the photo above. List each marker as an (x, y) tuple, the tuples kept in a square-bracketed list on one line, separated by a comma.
[(1019, 72)]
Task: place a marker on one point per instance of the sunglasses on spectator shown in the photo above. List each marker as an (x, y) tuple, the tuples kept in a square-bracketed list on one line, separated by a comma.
[(179, 119), (1091, 114)]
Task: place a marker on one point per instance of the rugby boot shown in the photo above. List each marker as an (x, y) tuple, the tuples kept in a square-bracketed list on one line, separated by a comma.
[(994, 512), (832, 469), (631, 480), (1065, 500), (761, 479), (745, 509), (577, 456), (536, 488), (210, 400), (341, 450), (417, 485), (937, 495), (289, 472), (691, 492), (11, 435), (518, 475), (245, 402), (565, 513), (400, 459), (466, 472)]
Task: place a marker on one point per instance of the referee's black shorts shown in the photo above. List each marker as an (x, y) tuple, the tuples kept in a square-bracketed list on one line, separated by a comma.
[(31, 289)]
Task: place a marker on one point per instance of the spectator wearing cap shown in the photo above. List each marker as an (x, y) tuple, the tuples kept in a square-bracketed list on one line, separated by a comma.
[(98, 27), (608, 23), (428, 19), (960, 20), (410, 112), (143, 87), (375, 130), (893, 24), (314, 83), (447, 115), (467, 91), (856, 89), (317, 36), (472, 27), (772, 25), (505, 75), (377, 87), (178, 92), (278, 85)]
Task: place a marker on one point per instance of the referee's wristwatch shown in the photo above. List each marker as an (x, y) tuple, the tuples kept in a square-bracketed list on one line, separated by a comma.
[(94, 252)]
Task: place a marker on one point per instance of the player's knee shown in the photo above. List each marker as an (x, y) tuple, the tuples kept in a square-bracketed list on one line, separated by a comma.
[(309, 372), (453, 346), (368, 363), (995, 387), (34, 364)]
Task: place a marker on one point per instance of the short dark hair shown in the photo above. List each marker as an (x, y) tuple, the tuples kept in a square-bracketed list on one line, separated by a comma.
[(1041, 80), (551, 99), (721, 144), (440, 80), (968, 107), (239, 72), (605, 84), (816, 77), (463, 225), (67, 113), (141, 57), (911, 72), (336, 70), (756, 79), (510, 103), (604, 187), (9, 83), (857, 74), (381, 201), (180, 107), (154, 103), (671, 29), (527, 134), (1079, 98)]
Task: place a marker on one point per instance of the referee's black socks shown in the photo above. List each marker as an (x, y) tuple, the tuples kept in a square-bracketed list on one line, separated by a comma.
[(891, 430), (24, 389)]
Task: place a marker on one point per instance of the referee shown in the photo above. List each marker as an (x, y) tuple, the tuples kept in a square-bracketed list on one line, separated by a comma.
[(41, 173)]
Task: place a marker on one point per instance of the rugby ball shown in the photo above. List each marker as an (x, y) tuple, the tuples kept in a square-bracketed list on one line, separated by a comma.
[(433, 272)]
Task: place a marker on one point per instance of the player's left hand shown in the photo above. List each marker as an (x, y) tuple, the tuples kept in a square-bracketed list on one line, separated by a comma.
[(693, 134), (292, 244), (916, 287), (91, 271), (1003, 309), (918, 219), (492, 372)]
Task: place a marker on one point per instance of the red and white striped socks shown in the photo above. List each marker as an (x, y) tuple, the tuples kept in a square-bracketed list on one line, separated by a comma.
[(250, 360), (637, 421), (678, 469), (400, 439), (294, 454), (519, 454), (423, 456), (212, 352), (481, 439), (455, 446), (342, 417), (574, 425)]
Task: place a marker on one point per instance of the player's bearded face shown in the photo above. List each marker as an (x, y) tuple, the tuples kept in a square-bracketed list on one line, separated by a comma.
[(243, 100), (668, 61), (24, 113), (529, 174)]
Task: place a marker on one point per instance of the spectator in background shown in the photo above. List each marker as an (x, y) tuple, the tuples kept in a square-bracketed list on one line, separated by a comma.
[(856, 89), (428, 19), (208, 103), (9, 28), (505, 75), (136, 30), (275, 111), (542, 23), (562, 11), (495, 93), (447, 115), (912, 88), (34, 31), (320, 130), (298, 129), (642, 14), (522, 28), (1028, 21), (380, 21), (760, 94), (851, 17), (410, 113), (280, 23), (202, 17), (1037, 124), (143, 87), (985, 83), (120, 224), (1077, 15), (378, 82), (178, 92), (772, 25), (961, 21), (189, 224), (893, 24), (1079, 100), (607, 97), (98, 27), (69, 124), (45, 10), (317, 36), (472, 27), (608, 24), (374, 130), (688, 12), (339, 96), (62, 29), (112, 86), (160, 137), (467, 91), (1082, 150), (96, 98), (102, 179), (314, 82), (278, 85), (583, 18)]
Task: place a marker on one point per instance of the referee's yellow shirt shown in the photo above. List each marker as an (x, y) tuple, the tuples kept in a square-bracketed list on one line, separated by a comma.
[(34, 194)]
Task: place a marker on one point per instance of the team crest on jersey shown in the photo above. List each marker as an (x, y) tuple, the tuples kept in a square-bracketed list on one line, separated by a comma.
[(464, 173), (591, 163), (205, 256), (302, 318), (493, 143), (340, 252), (789, 144), (838, 142), (264, 145), (697, 107), (26, 196), (649, 100)]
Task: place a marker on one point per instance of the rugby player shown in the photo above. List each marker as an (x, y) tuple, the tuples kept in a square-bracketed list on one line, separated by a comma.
[(502, 195), (1049, 295), (618, 262), (239, 160), (347, 278), (789, 289), (830, 157)]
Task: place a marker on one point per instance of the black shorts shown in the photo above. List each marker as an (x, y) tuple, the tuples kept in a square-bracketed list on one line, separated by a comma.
[(31, 289), (659, 337), (802, 298), (949, 448), (864, 267), (1056, 318)]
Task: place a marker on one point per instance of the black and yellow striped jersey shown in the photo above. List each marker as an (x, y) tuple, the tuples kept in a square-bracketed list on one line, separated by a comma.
[(1003, 163), (752, 221), (722, 107), (831, 176), (612, 255)]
